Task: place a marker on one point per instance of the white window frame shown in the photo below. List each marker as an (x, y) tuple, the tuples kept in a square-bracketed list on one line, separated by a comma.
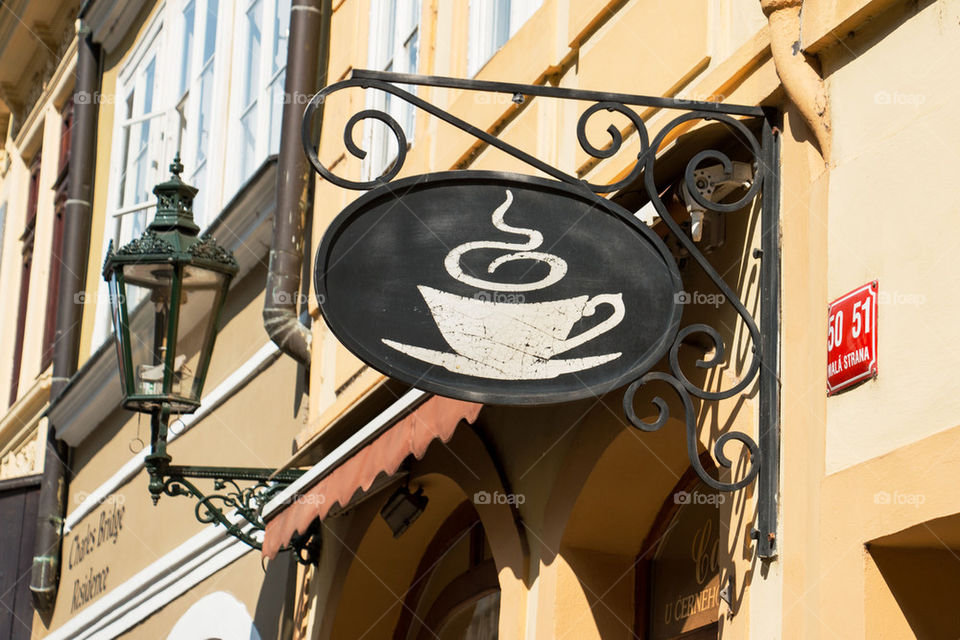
[(120, 213), (267, 93), (200, 162), (491, 25), (394, 36)]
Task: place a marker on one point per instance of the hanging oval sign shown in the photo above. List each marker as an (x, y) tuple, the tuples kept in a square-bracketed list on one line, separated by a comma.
[(498, 288)]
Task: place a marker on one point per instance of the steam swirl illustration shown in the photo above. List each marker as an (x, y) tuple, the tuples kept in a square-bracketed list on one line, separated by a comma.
[(521, 251)]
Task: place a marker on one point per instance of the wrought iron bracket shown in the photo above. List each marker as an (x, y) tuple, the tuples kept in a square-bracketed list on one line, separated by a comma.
[(237, 496), (760, 373)]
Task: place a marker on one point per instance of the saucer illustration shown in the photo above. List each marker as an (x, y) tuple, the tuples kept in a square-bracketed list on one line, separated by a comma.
[(535, 369)]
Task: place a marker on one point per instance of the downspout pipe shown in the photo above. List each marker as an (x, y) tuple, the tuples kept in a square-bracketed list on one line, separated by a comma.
[(45, 574), (307, 56), (801, 81)]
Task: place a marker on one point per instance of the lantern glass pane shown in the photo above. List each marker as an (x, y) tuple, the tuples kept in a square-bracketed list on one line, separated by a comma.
[(150, 288), (117, 300), (202, 292)]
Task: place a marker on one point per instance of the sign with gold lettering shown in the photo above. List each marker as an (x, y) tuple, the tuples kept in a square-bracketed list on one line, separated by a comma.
[(685, 593)]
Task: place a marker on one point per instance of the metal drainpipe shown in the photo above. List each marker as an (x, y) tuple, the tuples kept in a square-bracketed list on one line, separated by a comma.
[(45, 575), (802, 83), (308, 52)]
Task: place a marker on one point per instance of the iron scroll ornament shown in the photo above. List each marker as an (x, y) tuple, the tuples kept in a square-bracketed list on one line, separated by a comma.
[(763, 454)]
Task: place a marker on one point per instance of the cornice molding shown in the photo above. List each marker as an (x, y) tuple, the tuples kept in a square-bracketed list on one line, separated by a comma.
[(109, 20)]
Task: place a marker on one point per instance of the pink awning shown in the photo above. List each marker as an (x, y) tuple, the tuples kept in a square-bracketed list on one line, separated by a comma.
[(437, 418)]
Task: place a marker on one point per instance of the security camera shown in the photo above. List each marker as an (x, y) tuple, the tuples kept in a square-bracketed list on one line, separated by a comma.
[(713, 184)]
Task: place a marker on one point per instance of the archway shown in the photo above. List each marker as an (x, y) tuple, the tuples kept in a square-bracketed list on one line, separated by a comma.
[(445, 573)]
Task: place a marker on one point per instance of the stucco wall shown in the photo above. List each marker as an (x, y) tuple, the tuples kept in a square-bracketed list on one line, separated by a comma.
[(892, 212)]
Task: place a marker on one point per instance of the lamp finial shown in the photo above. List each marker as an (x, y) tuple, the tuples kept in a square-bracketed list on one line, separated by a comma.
[(176, 167)]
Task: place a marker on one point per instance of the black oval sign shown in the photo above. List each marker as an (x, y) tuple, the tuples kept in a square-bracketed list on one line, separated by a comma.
[(498, 288)]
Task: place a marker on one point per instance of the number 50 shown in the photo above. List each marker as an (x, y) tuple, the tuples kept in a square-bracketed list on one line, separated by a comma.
[(835, 330)]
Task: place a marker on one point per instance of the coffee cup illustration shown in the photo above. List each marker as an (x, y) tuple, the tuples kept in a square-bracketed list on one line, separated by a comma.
[(512, 340)]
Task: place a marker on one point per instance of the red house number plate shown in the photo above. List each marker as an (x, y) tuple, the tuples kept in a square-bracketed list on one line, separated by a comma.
[(852, 338)]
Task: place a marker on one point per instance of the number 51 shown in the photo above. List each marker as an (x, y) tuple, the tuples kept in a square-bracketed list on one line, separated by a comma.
[(861, 321)]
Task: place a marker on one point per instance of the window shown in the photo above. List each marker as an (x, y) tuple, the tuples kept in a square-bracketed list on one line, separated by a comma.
[(678, 588), (180, 89), (261, 76), (492, 23), (195, 96), (26, 266), (138, 156), (394, 46), (56, 247), (139, 133)]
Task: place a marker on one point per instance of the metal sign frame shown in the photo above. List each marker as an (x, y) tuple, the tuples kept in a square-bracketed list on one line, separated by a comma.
[(763, 369)]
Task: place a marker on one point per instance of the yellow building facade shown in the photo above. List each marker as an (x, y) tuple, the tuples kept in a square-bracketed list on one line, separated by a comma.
[(436, 518), (122, 566), (865, 504)]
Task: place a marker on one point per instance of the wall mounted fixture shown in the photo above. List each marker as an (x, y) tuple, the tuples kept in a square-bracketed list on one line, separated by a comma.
[(167, 291), (743, 168), (402, 509)]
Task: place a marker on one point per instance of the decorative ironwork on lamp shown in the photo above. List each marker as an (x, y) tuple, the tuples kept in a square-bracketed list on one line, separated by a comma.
[(167, 292)]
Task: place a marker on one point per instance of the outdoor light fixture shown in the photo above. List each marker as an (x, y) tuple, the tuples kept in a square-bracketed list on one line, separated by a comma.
[(402, 509), (167, 290)]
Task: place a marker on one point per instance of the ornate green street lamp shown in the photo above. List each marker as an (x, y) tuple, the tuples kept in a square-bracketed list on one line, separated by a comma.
[(167, 290)]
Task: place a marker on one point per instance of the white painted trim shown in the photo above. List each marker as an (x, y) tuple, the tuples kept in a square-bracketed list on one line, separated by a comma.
[(351, 445), (155, 586), (221, 393)]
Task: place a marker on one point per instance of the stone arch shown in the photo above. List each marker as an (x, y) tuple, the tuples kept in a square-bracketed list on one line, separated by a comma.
[(597, 516)]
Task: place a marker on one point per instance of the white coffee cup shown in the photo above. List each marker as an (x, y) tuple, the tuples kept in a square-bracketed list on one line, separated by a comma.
[(513, 336)]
